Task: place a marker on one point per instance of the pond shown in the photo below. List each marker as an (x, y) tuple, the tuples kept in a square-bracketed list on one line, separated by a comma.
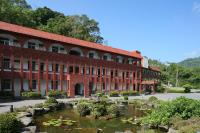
[(89, 125)]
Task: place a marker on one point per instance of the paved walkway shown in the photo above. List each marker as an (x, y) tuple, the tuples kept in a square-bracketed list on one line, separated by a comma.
[(4, 107)]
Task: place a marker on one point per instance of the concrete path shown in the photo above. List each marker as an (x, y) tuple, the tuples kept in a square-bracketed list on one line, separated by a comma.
[(5, 107)]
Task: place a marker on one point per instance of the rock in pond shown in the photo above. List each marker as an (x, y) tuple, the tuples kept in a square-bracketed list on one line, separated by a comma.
[(30, 129), (26, 121), (171, 130)]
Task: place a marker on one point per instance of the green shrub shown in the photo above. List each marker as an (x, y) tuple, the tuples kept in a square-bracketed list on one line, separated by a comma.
[(153, 98), (114, 94), (160, 89), (175, 90), (56, 94), (188, 88), (183, 107), (113, 110), (9, 124), (6, 95), (99, 94), (99, 110), (126, 98), (83, 108), (30, 95), (133, 93), (125, 93), (50, 101)]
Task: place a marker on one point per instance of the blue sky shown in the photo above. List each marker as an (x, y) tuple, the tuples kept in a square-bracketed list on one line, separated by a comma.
[(167, 30)]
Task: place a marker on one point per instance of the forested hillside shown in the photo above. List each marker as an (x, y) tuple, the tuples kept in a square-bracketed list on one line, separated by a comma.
[(185, 75), (77, 26), (191, 62)]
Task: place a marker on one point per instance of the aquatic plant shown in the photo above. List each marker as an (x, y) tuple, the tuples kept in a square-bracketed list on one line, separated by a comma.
[(59, 122)]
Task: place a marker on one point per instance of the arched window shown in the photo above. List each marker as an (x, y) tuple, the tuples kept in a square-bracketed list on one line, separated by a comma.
[(93, 55), (119, 59), (107, 57), (34, 44), (57, 48), (76, 52), (10, 40)]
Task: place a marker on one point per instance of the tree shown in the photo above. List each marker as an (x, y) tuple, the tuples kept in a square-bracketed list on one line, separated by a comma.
[(76, 26), (42, 15), (17, 12)]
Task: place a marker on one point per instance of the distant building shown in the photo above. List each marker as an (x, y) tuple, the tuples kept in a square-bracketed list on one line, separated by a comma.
[(33, 60)]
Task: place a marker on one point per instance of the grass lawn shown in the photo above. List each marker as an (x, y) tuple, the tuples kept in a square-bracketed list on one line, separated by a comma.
[(175, 90)]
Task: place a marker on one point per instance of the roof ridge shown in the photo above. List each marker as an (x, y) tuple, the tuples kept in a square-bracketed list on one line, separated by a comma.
[(61, 38)]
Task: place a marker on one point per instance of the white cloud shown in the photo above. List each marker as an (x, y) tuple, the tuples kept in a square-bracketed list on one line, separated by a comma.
[(195, 53), (196, 7)]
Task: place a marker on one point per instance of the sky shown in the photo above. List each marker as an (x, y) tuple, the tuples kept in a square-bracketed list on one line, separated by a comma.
[(166, 30)]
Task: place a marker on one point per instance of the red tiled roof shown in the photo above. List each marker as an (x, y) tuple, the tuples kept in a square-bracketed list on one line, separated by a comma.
[(46, 35), (155, 68)]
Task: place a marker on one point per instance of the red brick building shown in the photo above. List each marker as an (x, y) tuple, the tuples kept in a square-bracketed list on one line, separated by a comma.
[(33, 60)]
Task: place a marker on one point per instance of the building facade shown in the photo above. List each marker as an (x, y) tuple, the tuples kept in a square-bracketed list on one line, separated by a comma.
[(33, 60)]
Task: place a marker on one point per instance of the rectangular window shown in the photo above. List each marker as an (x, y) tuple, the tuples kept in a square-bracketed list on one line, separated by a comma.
[(6, 84), (17, 64), (6, 63), (56, 85), (34, 84), (116, 73), (57, 68), (33, 66), (54, 49), (41, 67)]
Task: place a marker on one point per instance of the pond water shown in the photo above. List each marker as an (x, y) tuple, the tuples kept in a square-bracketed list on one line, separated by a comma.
[(89, 125)]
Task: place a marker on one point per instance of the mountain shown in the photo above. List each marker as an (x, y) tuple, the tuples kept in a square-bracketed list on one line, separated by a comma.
[(190, 62)]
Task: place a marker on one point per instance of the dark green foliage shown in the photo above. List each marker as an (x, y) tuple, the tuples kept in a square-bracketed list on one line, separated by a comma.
[(50, 102), (77, 26), (160, 89), (84, 108), (126, 98), (6, 95), (188, 88), (114, 94), (99, 110), (30, 95), (182, 107), (125, 93), (133, 93), (9, 124), (113, 110), (153, 98), (56, 94), (191, 62)]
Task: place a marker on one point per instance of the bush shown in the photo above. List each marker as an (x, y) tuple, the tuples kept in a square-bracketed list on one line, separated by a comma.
[(114, 94), (99, 110), (133, 93), (175, 90), (153, 98), (188, 88), (56, 94), (113, 110), (126, 98), (124, 93), (30, 95), (9, 124), (183, 107), (83, 108), (160, 89), (6, 95), (50, 101)]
